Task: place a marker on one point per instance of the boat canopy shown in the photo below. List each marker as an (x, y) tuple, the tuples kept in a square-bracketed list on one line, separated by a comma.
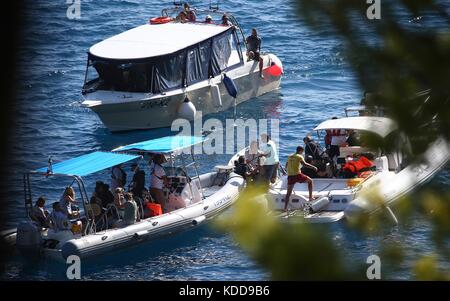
[(155, 40), (160, 58), (381, 126), (164, 145), (88, 164)]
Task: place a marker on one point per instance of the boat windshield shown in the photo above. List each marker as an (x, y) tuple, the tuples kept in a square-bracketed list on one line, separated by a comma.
[(164, 73)]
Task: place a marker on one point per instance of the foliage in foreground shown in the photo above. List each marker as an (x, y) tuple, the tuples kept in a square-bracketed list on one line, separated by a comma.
[(398, 61)]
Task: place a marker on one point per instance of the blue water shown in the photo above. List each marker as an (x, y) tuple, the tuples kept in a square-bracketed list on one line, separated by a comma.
[(317, 84)]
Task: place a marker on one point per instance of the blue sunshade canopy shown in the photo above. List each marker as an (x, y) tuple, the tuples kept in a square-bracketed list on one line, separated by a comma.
[(88, 164), (164, 145)]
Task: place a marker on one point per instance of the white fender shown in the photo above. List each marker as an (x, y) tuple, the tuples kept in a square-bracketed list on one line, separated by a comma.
[(198, 220), (187, 110), (215, 94), (320, 203)]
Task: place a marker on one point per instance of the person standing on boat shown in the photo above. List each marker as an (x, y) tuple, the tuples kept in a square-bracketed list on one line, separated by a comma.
[(338, 139), (158, 179), (118, 177), (137, 185), (293, 166), (254, 49), (271, 161)]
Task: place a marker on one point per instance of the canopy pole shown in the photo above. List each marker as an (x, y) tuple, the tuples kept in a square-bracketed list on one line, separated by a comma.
[(90, 222), (198, 176), (189, 182)]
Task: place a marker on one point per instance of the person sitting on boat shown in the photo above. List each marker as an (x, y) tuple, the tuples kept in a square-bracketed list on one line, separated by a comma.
[(254, 48), (119, 199), (208, 20), (130, 212), (137, 185), (352, 139), (293, 166), (321, 169), (252, 157), (182, 17), (59, 218), (118, 177), (242, 168), (271, 161), (226, 21), (191, 17), (67, 202), (103, 193), (39, 214), (312, 148), (158, 178)]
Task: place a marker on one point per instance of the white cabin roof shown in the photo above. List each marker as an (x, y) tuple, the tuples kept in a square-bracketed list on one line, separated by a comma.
[(381, 126), (154, 40)]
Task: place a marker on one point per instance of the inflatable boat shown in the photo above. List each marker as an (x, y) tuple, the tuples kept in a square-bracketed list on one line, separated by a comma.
[(342, 186), (189, 201)]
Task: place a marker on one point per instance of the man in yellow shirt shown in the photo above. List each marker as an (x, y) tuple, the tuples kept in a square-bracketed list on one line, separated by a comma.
[(293, 165)]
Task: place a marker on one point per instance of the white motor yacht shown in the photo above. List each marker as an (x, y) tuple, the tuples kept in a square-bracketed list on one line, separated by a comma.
[(150, 75)]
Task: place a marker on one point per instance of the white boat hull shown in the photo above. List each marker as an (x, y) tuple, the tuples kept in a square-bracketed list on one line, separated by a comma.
[(151, 228), (347, 203), (121, 111)]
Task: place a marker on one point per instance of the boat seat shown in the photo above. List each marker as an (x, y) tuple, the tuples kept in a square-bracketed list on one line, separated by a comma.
[(381, 163), (392, 162), (351, 150), (208, 191)]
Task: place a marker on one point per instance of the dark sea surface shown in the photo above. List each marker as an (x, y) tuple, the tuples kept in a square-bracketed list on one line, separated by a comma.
[(316, 85)]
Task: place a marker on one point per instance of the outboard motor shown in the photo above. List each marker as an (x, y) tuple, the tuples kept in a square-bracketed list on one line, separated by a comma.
[(29, 240)]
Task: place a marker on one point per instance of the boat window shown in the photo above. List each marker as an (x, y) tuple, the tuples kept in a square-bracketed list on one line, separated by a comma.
[(114, 76), (170, 71), (221, 51), (198, 62), (234, 58), (225, 52)]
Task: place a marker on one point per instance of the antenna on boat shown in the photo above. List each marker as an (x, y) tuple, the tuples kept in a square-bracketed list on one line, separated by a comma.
[(50, 166)]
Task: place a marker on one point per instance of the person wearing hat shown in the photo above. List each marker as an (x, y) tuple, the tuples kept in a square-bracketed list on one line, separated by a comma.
[(137, 185), (158, 178), (208, 20)]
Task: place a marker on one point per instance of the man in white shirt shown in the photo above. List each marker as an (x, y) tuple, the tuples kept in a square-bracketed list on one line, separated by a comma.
[(271, 162), (158, 178)]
